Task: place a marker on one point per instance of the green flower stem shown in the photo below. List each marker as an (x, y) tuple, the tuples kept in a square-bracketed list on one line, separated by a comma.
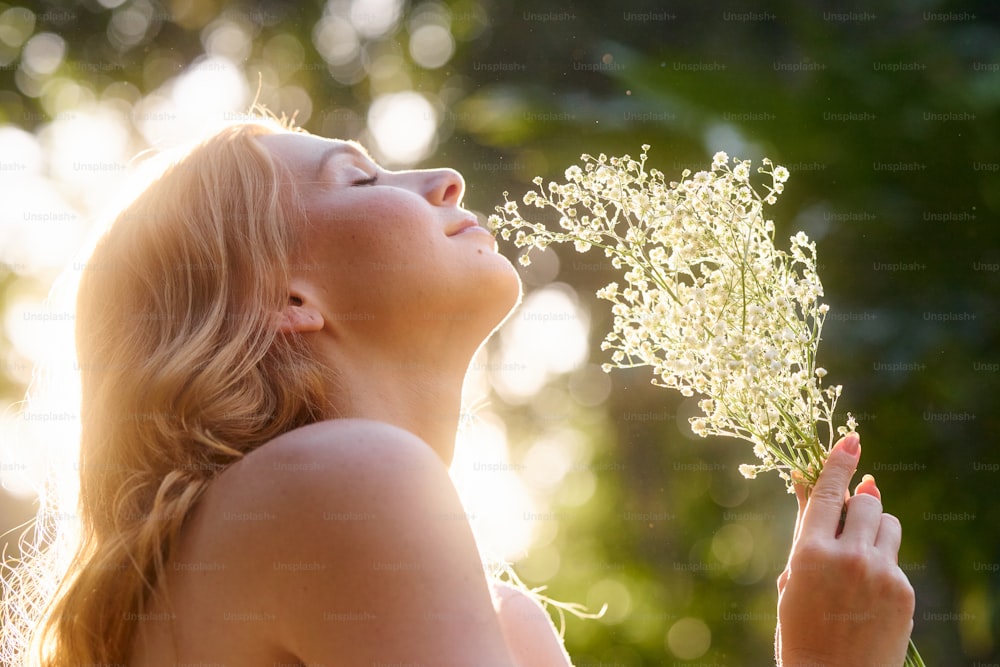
[(913, 658)]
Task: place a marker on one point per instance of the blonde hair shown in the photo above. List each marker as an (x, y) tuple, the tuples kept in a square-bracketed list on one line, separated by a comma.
[(183, 371)]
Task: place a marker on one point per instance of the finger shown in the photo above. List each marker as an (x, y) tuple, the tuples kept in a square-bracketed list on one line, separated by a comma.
[(827, 498), (889, 537), (864, 515), (802, 499), (868, 486)]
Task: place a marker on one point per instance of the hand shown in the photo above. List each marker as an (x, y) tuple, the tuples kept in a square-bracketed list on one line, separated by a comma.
[(842, 599)]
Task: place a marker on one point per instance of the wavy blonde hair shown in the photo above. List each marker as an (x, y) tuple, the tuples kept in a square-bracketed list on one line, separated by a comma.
[(183, 371)]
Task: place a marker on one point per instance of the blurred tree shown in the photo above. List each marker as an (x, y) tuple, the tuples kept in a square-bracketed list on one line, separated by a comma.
[(886, 115)]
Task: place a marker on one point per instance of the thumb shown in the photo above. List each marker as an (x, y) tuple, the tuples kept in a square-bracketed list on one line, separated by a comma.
[(827, 498)]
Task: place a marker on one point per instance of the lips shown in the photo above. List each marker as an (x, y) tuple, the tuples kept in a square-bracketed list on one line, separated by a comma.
[(466, 225)]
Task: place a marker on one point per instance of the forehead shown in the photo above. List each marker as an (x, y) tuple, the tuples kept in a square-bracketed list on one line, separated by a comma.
[(305, 153)]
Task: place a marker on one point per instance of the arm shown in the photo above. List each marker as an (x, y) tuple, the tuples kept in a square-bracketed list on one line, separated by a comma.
[(531, 637), (842, 599)]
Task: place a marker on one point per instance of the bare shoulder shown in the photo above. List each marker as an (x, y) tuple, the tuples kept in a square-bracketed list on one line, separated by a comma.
[(337, 474), (337, 443), (330, 480), (346, 531), (313, 488)]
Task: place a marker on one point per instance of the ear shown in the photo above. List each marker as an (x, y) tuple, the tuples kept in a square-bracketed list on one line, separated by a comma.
[(299, 315)]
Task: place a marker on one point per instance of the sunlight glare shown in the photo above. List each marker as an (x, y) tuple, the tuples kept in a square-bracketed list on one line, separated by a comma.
[(431, 45), (210, 93), (551, 458), (404, 127), (41, 435), (128, 25), (375, 18), (688, 638), (16, 25), (546, 337), (43, 53), (495, 498), (227, 39), (336, 40), (88, 152)]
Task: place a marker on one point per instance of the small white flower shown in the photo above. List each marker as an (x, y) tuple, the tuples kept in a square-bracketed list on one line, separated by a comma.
[(608, 292)]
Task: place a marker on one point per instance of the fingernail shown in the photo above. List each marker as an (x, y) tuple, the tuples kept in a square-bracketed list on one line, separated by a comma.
[(871, 489), (852, 444)]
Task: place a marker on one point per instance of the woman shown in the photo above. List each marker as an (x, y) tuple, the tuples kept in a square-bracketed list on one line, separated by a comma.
[(272, 341)]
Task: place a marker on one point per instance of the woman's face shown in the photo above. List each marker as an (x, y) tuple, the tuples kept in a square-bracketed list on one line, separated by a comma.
[(393, 252)]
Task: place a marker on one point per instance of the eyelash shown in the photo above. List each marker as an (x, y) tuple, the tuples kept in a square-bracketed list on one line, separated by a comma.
[(367, 181)]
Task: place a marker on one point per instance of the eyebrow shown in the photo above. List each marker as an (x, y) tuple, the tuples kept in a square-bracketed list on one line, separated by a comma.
[(336, 149)]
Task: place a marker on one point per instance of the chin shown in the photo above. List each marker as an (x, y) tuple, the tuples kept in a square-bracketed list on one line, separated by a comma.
[(510, 293), (504, 292)]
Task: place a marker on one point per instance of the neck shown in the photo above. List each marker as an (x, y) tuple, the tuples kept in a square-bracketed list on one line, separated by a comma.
[(422, 394)]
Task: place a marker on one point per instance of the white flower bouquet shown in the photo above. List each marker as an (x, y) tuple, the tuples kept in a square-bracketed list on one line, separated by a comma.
[(708, 302)]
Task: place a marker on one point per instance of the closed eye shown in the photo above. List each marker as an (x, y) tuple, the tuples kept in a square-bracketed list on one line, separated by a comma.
[(366, 181)]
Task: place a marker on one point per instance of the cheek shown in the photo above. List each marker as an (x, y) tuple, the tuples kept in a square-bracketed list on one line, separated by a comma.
[(383, 245), (376, 250), (352, 236)]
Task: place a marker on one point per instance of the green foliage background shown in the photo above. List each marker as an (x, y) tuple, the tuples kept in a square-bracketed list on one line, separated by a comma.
[(887, 115)]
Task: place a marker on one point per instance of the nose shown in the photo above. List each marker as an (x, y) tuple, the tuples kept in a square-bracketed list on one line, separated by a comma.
[(444, 187)]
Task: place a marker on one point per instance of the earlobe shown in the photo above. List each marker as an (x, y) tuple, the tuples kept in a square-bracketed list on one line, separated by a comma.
[(299, 317)]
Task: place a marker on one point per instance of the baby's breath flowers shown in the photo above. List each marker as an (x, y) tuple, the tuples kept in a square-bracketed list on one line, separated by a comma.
[(708, 301)]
